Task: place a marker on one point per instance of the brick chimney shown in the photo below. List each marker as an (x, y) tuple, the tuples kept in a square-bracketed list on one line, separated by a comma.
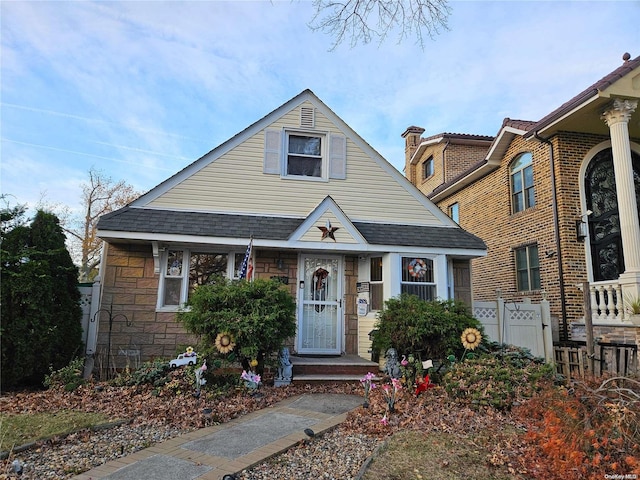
[(411, 141)]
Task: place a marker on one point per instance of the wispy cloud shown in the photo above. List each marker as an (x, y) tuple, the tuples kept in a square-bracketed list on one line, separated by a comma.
[(141, 89)]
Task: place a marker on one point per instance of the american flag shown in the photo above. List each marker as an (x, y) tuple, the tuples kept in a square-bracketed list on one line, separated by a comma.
[(245, 268)]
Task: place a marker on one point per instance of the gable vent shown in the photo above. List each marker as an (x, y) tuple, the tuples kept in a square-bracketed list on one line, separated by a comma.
[(307, 117)]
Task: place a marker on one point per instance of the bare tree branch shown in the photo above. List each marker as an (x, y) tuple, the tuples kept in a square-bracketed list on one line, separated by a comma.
[(364, 20), (100, 195)]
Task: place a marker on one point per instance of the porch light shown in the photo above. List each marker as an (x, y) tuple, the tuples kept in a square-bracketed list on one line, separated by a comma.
[(280, 264), (581, 230), (582, 227)]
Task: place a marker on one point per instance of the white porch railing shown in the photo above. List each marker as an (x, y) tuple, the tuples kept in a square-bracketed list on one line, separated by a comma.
[(606, 301)]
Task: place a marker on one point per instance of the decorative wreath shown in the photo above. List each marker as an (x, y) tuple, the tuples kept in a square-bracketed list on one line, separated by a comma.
[(417, 267)]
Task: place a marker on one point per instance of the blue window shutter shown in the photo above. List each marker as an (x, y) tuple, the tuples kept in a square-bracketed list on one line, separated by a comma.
[(337, 156), (272, 152)]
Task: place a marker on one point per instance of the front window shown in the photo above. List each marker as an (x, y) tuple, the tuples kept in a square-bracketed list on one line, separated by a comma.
[(183, 270), (375, 283), (427, 168), (204, 266), (238, 258), (418, 277), (173, 278), (527, 268), (304, 155), (522, 190)]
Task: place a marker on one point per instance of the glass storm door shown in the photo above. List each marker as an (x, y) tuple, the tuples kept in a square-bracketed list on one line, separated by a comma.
[(320, 306)]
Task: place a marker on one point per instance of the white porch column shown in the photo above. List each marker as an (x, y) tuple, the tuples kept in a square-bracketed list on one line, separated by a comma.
[(617, 118)]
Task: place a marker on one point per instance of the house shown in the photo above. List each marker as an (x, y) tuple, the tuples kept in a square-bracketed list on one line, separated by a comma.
[(325, 214), (556, 201)]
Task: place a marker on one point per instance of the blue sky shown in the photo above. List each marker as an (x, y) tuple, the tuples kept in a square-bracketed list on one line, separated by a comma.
[(139, 90)]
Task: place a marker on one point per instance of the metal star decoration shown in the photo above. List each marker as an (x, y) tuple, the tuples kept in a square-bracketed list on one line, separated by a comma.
[(328, 231)]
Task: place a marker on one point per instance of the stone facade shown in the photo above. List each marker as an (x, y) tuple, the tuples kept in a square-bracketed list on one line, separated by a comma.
[(131, 287), (137, 329)]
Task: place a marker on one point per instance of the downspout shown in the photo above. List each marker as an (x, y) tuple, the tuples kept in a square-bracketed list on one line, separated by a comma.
[(444, 157), (564, 332)]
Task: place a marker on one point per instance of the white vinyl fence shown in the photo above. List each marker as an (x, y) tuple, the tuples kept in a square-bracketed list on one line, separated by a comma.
[(523, 324)]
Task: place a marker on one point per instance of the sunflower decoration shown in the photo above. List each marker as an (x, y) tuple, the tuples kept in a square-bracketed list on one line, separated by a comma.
[(471, 338), (189, 352), (225, 342)]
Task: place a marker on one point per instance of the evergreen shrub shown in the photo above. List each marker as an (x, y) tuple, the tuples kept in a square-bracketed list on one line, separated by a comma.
[(428, 329), (40, 325), (259, 316)]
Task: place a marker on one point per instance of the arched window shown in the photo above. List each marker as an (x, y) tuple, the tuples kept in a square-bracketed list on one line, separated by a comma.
[(604, 223), (522, 191)]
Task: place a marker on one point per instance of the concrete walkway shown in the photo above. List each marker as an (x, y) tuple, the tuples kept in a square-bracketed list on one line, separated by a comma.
[(212, 452)]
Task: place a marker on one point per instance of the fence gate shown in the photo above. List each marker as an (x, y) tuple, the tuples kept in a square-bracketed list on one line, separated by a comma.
[(523, 324), (89, 302)]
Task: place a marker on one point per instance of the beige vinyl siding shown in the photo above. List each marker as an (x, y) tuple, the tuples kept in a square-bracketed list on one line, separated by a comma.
[(365, 325), (235, 183), (314, 234)]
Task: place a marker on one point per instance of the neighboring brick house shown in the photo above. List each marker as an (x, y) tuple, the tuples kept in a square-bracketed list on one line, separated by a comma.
[(328, 216), (543, 196)]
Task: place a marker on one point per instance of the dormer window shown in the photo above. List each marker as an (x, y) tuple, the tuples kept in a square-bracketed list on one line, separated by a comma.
[(304, 155), (427, 168)]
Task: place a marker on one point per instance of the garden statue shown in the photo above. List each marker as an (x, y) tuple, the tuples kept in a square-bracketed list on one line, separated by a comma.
[(200, 381), (392, 367), (285, 369)]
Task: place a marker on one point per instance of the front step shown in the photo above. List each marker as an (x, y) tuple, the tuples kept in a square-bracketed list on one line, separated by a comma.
[(345, 368)]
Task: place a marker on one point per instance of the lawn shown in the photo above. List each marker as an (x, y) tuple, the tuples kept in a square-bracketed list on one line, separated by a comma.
[(23, 428)]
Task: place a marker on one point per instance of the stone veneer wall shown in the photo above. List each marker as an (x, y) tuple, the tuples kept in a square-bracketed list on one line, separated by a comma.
[(131, 286), (607, 333), (350, 308)]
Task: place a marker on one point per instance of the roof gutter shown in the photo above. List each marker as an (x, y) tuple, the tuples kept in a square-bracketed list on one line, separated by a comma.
[(564, 331), (561, 114)]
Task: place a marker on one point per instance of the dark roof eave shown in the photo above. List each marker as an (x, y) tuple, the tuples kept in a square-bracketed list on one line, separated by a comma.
[(583, 97), (560, 112)]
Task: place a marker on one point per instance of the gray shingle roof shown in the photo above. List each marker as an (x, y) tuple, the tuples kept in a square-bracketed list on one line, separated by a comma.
[(140, 220), (198, 223), (418, 236)]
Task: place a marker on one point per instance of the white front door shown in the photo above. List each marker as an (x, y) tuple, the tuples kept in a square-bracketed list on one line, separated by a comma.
[(320, 305)]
